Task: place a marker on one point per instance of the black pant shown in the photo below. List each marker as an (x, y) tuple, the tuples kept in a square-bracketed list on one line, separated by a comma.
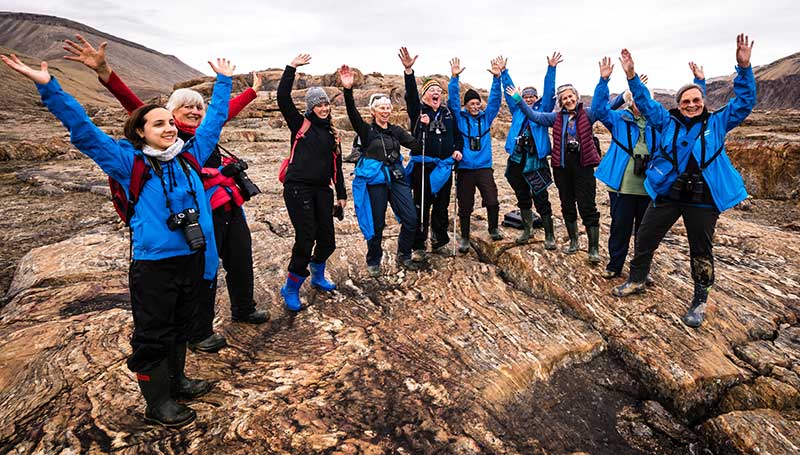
[(397, 193), (576, 184), (627, 211), (235, 249), (525, 195), (468, 180), (700, 223), (438, 217), (311, 211), (164, 297)]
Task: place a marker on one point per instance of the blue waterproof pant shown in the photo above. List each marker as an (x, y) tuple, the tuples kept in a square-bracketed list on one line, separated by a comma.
[(398, 194)]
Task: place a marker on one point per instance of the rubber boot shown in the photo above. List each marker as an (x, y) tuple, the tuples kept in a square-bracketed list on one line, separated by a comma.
[(318, 279), (572, 230), (162, 409), (463, 242), (291, 291), (593, 233), (549, 233), (527, 221), (183, 388), (697, 311), (628, 288), (493, 215)]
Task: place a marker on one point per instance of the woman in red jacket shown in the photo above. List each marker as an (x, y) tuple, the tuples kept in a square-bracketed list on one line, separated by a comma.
[(232, 234)]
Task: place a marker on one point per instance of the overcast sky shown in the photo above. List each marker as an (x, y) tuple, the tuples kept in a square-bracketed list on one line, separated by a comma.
[(662, 35)]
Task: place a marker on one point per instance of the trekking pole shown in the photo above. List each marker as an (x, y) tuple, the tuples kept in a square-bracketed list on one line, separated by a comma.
[(455, 197), (422, 203)]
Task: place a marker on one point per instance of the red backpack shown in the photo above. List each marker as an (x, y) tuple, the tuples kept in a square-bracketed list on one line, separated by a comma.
[(301, 133), (139, 176)]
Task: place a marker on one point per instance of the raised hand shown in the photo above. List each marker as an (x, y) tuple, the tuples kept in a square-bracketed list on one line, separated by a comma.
[(300, 60), (406, 59), (555, 59), (347, 76), (495, 69), (697, 70), (744, 47), (455, 67), (644, 78), (223, 67), (87, 54), (256, 81), (626, 61), (606, 67), (511, 90), (41, 76), (502, 62)]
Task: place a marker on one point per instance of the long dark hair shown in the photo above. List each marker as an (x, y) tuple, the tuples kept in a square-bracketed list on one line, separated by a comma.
[(136, 122)]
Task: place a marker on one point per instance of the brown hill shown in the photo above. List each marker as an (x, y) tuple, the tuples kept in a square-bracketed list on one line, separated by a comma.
[(778, 85), (147, 71)]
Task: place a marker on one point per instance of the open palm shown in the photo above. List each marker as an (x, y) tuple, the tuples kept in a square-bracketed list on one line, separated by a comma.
[(41, 76)]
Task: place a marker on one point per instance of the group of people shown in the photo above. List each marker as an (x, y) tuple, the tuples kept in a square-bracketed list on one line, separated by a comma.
[(184, 217)]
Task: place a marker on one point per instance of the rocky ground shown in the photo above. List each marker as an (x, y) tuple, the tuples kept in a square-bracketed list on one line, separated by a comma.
[(508, 349)]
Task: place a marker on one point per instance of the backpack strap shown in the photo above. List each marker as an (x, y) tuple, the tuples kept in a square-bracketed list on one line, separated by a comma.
[(301, 133), (629, 149), (139, 176), (188, 158)]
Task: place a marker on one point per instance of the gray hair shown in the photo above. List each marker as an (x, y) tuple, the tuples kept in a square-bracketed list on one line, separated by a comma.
[(685, 89), (563, 88), (185, 97)]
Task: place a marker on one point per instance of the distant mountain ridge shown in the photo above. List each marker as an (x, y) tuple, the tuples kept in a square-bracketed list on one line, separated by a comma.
[(147, 71)]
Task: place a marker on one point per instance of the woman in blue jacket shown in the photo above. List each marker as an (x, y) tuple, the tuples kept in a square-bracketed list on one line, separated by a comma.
[(172, 230), (475, 169), (690, 176), (622, 168)]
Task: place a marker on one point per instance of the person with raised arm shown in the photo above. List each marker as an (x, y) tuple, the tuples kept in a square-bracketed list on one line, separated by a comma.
[(223, 184), (379, 176), (475, 169), (172, 232), (528, 146), (430, 173), (691, 176), (315, 166)]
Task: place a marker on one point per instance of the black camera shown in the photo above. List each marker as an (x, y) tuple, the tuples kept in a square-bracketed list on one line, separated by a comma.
[(392, 157), (398, 174), (188, 221), (437, 127), (640, 164), (573, 146), (691, 185), (474, 143), (524, 144), (236, 169), (338, 212)]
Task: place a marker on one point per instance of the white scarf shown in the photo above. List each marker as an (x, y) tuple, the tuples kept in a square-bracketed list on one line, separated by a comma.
[(164, 155)]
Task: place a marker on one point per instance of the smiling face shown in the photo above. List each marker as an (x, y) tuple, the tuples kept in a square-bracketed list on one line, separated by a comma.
[(159, 129), (190, 114), (433, 97), (381, 111), (474, 107), (691, 103), (322, 110), (568, 100), (530, 99)]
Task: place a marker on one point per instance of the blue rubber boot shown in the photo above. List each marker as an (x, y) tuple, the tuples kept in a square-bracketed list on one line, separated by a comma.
[(318, 279), (291, 291)]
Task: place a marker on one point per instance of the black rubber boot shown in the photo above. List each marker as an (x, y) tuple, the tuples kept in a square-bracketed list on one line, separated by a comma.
[(162, 409), (493, 215), (211, 344), (256, 317), (697, 311), (527, 221), (593, 233), (463, 242), (181, 386), (549, 233), (572, 230)]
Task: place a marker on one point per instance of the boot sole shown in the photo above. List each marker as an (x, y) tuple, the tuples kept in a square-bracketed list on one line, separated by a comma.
[(192, 396), (154, 421), (320, 288)]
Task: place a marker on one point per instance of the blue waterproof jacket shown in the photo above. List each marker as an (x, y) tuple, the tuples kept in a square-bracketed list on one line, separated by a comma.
[(612, 166), (723, 180), (369, 172), (438, 176), (478, 126), (519, 121), (151, 238)]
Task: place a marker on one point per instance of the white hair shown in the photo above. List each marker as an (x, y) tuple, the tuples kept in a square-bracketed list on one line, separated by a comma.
[(628, 97), (378, 99), (185, 97), (563, 88)]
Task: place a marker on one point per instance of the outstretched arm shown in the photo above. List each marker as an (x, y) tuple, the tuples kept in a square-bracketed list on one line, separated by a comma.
[(293, 117), (699, 76), (652, 110), (495, 98), (506, 81), (359, 126), (207, 134), (600, 105), (540, 118), (413, 105), (744, 86), (549, 87), (453, 100)]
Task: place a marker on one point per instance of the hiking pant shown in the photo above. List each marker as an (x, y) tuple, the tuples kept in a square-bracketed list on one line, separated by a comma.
[(700, 224), (525, 195), (398, 194), (164, 296), (576, 185), (468, 180), (311, 211), (439, 217), (627, 211), (235, 249)]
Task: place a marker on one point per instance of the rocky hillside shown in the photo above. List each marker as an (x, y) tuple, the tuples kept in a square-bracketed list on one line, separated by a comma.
[(147, 71), (778, 85)]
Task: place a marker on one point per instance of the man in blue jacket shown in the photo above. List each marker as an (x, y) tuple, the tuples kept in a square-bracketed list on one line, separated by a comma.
[(528, 145), (691, 176), (475, 169)]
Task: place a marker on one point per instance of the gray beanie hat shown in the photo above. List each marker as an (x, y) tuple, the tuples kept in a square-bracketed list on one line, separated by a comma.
[(683, 90), (315, 96)]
